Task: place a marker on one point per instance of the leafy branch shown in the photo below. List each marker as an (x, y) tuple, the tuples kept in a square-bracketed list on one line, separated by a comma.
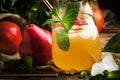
[(21, 7)]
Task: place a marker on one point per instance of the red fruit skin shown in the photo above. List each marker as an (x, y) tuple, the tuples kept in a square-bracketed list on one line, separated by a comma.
[(78, 21), (99, 18), (37, 43), (10, 37), (98, 15)]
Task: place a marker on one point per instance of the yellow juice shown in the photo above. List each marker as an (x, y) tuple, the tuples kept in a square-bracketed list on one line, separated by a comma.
[(84, 48)]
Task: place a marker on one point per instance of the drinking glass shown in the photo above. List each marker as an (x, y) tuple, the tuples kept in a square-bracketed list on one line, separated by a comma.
[(84, 42)]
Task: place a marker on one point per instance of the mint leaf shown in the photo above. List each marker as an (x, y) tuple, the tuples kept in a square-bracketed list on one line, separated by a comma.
[(68, 19), (70, 15), (28, 61), (55, 11), (113, 45), (94, 2), (107, 75), (48, 21), (114, 74), (63, 40)]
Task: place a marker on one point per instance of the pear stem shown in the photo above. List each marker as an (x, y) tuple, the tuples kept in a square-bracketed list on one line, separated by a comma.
[(29, 19), (50, 7)]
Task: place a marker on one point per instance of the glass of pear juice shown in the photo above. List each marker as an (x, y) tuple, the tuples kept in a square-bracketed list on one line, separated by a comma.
[(84, 45)]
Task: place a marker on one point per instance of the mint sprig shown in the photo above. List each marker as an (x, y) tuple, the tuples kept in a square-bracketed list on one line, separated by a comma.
[(67, 21), (70, 15), (107, 75), (28, 61), (63, 40)]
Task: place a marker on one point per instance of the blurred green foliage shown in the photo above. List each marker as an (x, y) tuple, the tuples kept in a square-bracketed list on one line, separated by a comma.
[(37, 9)]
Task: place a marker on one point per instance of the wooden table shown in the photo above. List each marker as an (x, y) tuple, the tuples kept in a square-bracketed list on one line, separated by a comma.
[(104, 37)]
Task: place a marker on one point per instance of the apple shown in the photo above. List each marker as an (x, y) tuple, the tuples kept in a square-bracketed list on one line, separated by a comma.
[(10, 37), (37, 43)]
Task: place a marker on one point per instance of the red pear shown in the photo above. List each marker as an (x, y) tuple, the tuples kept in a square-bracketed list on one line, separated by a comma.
[(37, 43), (10, 37)]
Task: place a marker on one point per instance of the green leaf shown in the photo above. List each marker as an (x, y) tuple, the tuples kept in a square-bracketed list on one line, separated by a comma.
[(70, 15), (63, 40), (48, 21), (82, 74), (107, 75), (68, 19), (113, 45), (11, 65), (94, 2), (28, 61), (55, 12), (13, 2), (114, 74)]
